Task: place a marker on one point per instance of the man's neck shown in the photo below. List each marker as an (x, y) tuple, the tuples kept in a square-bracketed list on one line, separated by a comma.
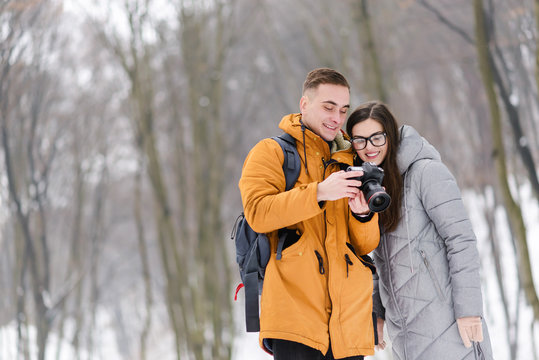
[(308, 128)]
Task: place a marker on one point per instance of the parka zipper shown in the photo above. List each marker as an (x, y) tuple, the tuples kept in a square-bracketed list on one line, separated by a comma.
[(478, 351), (432, 275), (403, 323), (321, 269), (348, 263)]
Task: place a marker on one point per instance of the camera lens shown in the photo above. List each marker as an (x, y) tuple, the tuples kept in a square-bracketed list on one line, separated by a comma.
[(379, 202), (377, 199)]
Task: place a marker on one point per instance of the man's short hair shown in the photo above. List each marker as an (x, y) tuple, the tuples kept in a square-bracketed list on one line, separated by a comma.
[(324, 76)]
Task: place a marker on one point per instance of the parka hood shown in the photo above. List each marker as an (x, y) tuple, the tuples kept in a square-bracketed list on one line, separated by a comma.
[(414, 147), (291, 124)]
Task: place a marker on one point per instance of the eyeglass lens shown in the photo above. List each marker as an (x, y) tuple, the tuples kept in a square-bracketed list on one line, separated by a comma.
[(375, 139)]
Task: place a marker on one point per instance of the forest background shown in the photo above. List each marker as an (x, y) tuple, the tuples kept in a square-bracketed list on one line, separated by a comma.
[(123, 129)]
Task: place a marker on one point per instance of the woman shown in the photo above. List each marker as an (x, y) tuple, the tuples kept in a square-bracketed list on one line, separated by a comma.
[(427, 260)]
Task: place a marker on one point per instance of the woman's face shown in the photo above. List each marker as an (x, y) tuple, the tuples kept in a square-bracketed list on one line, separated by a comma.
[(374, 131)]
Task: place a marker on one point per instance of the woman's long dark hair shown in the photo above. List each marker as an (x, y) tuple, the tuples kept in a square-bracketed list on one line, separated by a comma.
[(392, 182)]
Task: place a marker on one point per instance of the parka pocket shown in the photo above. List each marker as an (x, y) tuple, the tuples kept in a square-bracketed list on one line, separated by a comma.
[(366, 260), (294, 245), (432, 275), (290, 237)]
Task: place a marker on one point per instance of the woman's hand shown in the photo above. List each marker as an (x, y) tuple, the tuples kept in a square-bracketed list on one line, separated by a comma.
[(470, 329), (380, 330), (358, 204)]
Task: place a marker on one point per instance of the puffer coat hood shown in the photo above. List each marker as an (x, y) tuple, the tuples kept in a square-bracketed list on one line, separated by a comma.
[(320, 289), (414, 148), (429, 265)]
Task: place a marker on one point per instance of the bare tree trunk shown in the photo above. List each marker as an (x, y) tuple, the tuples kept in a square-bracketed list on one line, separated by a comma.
[(512, 209), (537, 44), (75, 264), (7, 58), (38, 286), (534, 346), (143, 251), (489, 214), (279, 52), (520, 141), (173, 267), (21, 313), (204, 68), (372, 71), (98, 227), (35, 251)]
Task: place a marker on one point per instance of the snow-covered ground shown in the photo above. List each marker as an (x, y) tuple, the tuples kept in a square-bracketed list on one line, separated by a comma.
[(246, 345), (105, 347)]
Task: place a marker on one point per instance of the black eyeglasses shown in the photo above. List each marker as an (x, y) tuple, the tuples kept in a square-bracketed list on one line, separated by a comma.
[(377, 139)]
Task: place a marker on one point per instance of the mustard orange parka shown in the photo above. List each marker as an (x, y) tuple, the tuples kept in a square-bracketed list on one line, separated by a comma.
[(319, 290)]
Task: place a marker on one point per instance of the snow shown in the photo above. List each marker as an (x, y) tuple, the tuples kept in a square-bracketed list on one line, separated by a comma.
[(246, 344)]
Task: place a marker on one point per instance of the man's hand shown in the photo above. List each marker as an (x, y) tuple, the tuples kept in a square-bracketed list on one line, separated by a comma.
[(339, 185)]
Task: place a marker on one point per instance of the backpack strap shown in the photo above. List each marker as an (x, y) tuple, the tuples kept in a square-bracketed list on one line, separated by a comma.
[(291, 170), (292, 162), (250, 281), (280, 244)]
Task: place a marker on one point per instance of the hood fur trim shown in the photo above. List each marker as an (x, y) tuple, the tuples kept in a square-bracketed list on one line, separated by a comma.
[(340, 143)]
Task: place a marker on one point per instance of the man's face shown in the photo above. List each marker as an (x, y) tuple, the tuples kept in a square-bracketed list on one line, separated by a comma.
[(323, 110)]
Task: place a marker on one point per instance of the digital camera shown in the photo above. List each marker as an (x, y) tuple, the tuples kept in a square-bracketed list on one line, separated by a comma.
[(371, 186)]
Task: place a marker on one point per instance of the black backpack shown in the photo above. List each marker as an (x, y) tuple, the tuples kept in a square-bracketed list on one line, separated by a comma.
[(253, 249)]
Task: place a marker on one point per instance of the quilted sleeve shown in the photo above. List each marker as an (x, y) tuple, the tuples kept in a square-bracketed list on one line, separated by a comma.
[(442, 201)]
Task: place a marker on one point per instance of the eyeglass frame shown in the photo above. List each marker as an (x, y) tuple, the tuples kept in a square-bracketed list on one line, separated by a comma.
[(369, 139)]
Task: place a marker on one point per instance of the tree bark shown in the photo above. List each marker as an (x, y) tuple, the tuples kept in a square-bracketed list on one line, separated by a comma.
[(372, 68), (537, 45), (144, 257), (489, 215)]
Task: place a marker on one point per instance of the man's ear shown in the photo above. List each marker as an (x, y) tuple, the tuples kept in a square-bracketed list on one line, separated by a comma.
[(303, 102)]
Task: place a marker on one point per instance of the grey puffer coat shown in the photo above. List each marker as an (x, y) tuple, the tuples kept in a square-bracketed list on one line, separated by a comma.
[(429, 266)]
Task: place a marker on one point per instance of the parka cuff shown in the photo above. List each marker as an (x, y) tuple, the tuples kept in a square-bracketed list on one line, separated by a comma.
[(467, 302), (363, 218)]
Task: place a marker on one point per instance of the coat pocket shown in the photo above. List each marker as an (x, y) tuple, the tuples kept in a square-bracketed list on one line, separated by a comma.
[(290, 237), (290, 245), (366, 260), (432, 275)]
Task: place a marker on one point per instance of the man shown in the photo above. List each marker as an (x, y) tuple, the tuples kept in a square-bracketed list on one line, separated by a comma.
[(316, 302)]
